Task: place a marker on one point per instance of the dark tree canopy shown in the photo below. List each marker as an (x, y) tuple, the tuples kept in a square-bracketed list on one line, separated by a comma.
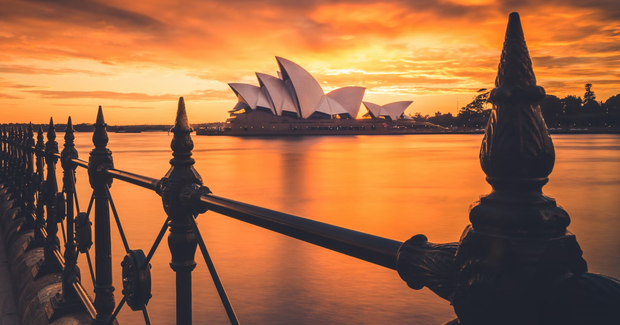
[(568, 112)]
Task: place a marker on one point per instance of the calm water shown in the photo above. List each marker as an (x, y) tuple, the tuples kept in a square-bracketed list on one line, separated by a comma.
[(390, 186)]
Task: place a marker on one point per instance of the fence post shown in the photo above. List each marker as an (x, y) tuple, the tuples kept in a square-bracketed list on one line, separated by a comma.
[(517, 263), (4, 153), (181, 178), (39, 150), (30, 179), (52, 244), (70, 272), (11, 160), (19, 169), (101, 159)]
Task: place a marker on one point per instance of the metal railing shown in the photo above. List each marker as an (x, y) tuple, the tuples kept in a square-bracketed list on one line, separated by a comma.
[(183, 198), (516, 259)]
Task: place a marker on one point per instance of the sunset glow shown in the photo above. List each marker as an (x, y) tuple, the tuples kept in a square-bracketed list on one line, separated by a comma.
[(135, 58)]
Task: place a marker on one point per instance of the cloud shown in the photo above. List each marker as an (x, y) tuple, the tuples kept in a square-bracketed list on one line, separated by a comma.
[(22, 69), (137, 97), (106, 106), (7, 96), (63, 94), (129, 107)]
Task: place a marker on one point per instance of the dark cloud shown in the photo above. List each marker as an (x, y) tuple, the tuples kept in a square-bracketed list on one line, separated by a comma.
[(83, 13)]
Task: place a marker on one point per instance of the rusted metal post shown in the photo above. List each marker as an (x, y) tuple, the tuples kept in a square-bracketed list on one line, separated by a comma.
[(39, 238), (100, 160), (182, 241), (70, 273)]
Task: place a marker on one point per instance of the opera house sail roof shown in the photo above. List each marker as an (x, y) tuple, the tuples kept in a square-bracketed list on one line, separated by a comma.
[(295, 93)]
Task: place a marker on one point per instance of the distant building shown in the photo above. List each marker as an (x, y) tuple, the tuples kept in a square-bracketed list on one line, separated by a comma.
[(295, 93)]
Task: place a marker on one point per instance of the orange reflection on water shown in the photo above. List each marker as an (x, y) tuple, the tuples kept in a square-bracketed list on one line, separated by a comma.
[(390, 186)]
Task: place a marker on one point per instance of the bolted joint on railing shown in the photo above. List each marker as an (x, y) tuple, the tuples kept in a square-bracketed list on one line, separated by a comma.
[(99, 161), (423, 264), (190, 195)]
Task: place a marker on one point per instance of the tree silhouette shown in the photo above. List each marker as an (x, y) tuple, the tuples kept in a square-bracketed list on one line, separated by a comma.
[(552, 109), (590, 105), (589, 95), (572, 104)]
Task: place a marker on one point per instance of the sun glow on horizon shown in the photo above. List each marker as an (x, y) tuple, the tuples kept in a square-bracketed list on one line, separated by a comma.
[(137, 58)]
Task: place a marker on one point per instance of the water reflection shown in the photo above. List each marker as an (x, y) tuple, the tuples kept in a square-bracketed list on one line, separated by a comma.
[(391, 186)]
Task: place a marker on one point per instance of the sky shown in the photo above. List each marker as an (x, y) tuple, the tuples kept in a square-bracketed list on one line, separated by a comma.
[(136, 58)]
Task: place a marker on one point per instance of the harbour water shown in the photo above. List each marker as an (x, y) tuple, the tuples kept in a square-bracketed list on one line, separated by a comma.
[(390, 186)]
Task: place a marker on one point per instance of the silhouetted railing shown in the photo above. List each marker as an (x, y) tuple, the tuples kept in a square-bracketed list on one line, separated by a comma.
[(515, 264)]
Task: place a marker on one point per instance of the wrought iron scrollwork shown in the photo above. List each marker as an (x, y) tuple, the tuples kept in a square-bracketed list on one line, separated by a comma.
[(83, 232), (136, 279)]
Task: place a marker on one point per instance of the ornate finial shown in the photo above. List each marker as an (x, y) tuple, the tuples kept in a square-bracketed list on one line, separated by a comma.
[(100, 119), (516, 145), (40, 144), (51, 131), (100, 136), (515, 65), (181, 143), (69, 137), (69, 152)]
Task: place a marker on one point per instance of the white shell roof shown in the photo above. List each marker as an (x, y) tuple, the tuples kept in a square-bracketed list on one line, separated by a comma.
[(395, 109), (373, 108), (276, 90), (330, 107), (309, 92), (296, 91), (263, 101), (349, 97), (248, 93)]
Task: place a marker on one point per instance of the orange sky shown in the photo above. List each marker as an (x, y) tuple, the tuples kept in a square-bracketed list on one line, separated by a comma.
[(135, 58)]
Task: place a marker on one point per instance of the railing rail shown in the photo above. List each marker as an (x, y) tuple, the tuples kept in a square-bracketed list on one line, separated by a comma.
[(370, 248)]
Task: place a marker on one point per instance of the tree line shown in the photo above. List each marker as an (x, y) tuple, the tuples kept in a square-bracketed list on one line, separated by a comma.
[(568, 112)]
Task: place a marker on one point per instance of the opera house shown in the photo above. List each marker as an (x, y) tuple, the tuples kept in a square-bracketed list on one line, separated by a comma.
[(294, 103)]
